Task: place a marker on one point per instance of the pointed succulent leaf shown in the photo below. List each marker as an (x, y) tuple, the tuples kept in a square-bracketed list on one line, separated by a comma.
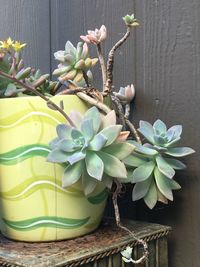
[(134, 160), (141, 189), (143, 172), (174, 185), (57, 156), (151, 197), (67, 145), (179, 151), (111, 133), (94, 165), (109, 119), (79, 50), (175, 164), (77, 118), (69, 48), (97, 142), (88, 183), (144, 150), (87, 129), (112, 165), (159, 140), (163, 184), (174, 132), (146, 129), (94, 115), (173, 142), (63, 131), (62, 70), (159, 127), (72, 174), (53, 144), (119, 150), (164, 167), (76, 134)]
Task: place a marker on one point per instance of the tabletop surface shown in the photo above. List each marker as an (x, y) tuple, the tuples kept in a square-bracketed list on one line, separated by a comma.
[(107, 238)]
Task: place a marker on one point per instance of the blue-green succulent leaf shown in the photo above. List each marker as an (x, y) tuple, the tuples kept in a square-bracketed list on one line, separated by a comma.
[(76, 117), (53, 144), (72, 173), (75, 157), (97, 142), (147, 131), (89, 184), (76, 134), (179, 151), (70, 48), (63, 131), (143, 172), (174, 185), (141, 189), (175, 164), (144, 150), (111, 133), (94, 165), (163, 184), (119, 150), (159, 140), (95, 116), (151, 197), (67, 145), (174, 132), (112, 165), (173, 142), (87, 129), (57, 156), (164, 167), (159, 127), (134, 160)]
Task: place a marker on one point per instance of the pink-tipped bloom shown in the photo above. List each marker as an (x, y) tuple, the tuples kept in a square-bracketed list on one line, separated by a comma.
[(126, 94), (95, 37)]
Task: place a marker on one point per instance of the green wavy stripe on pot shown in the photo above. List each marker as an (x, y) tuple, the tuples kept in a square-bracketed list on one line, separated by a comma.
[(22, 153), (25, 116), (46, 221), (97, 199), (32, 185)]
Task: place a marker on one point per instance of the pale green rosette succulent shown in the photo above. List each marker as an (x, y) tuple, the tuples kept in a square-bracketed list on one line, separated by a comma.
[(93, 151), (73, 61), (154, 163)]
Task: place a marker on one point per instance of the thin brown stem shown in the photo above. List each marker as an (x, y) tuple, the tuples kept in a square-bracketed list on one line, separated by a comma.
[(86, 78), (133, 130), (119, 224), (110, 62), (35, 92), (102, 64)]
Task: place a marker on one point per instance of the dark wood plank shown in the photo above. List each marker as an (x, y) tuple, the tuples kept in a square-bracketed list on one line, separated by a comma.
[(168, 87), (28, 21)]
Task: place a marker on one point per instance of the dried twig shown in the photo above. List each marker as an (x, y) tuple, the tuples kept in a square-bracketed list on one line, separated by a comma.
[(35, 92), (119, 224), (110, 62), (102, 64)]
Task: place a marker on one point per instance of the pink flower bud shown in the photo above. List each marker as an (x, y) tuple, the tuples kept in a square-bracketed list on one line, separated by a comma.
[(96, 36)]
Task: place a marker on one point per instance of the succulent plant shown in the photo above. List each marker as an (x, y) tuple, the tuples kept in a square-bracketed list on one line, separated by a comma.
[(12, 63), (93, 151), (130, 20), (73, 62), (152, 165), (95, 37), (126, 94)]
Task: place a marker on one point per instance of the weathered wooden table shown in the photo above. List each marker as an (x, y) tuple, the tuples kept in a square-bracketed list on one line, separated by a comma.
[(99, 249)]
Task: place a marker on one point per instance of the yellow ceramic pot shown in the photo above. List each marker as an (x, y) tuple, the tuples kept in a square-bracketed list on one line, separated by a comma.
[(33, 205)]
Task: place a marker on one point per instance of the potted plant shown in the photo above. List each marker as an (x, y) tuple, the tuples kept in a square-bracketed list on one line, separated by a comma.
[(84, 132)]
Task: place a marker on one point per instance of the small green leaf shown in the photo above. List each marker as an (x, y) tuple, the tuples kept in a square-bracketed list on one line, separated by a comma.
[(159, 126), (72, 173), (151, 197), (63, 131), (175, 164), (147, 131), (141, 189), (95, 116), (75, 157), (89, 183), (112, 165), (144, 150), (179, 151), (119, 150), (135, 160), (163, 184), (164, 167), (143, 172), (97, 142), (94, 165), (87, 129), (111, 133), (57, 156)]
